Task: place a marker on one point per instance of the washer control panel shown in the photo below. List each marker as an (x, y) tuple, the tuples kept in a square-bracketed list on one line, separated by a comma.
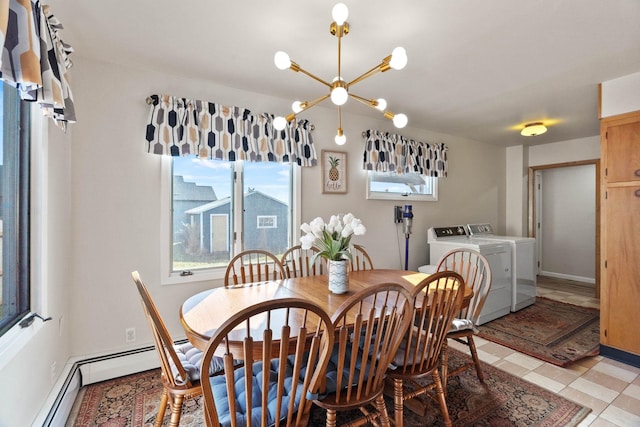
[(456, 230), (480, 229)]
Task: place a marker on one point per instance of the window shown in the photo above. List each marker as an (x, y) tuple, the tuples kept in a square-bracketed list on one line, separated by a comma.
[(220, 208), (408, 186), (14, 208), (267, 221)]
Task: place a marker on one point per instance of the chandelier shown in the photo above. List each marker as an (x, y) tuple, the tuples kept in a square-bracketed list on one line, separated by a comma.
[(339, 89)]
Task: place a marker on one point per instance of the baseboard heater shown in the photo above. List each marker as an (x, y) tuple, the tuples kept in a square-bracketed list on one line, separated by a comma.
[(92, 370)]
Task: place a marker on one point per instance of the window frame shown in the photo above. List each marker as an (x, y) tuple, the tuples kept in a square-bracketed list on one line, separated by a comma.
[(19, 290), (274, 221), (378, 195), (167, 276)]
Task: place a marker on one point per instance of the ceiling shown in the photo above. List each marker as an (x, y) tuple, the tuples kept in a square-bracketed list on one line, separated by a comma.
[(477, 69)]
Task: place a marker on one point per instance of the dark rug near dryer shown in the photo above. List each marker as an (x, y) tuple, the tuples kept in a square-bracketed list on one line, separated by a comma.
[(505, 401), (548, 330)]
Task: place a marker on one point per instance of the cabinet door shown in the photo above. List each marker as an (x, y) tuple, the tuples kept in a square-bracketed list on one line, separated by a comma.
[(622, 252), (623, 152)]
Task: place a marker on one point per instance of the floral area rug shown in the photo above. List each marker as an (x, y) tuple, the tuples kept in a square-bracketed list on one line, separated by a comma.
[(548, 330), (504, 400)]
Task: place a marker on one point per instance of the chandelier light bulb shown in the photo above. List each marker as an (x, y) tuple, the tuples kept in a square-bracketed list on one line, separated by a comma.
[(279, 123), (297, 107), (339, 95), (382, 104), (340, 138), (340, 13), (398, 58), (400, 121), (282, 60)]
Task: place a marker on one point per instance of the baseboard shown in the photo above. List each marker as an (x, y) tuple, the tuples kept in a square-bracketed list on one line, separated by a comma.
[(80, 372), (620, 356), (589, 280)]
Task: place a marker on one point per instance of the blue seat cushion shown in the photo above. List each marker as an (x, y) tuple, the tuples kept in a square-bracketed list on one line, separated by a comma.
[(221, 399), (191, 358)]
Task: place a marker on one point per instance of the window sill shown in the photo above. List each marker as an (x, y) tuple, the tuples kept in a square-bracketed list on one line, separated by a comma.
[(197, 276)]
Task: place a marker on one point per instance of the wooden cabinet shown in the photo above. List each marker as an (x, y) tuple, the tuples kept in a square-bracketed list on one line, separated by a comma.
[(620, 233)]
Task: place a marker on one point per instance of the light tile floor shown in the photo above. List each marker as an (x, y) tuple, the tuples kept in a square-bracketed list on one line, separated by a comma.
[(610, 388)]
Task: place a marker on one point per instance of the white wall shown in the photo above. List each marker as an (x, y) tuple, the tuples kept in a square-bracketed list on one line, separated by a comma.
[(620, 95), (103, 218), (568, 214), (573, 150)]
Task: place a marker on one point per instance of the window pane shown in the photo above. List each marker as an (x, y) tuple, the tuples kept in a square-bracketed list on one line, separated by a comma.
[(408, 186), (14, 208), (202, 213), (267, 200)]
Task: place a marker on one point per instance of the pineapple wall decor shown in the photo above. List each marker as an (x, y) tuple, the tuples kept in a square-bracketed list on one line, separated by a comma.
[(334, 171)]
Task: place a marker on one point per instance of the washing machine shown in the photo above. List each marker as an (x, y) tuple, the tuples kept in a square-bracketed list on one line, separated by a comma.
[(523, 256), (498, 253)]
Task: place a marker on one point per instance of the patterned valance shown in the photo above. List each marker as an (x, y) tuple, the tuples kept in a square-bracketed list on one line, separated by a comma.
[(387, 152), (181, 126), (35, 59)]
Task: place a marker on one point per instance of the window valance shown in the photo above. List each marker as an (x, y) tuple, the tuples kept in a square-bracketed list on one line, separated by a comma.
[(387, 152), (35, 59), (181, 127)]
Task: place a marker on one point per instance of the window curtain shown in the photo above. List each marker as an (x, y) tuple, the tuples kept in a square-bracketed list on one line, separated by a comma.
[(181, 127), (386, 152), (35, 59)]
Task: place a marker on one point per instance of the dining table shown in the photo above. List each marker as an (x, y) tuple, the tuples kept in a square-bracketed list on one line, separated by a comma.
[(204, 312)]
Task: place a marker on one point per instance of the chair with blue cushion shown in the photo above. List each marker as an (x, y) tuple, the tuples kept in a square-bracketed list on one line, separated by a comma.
[(285, 344), (369, 326), (179, 364), (418, 356), (476, 272)]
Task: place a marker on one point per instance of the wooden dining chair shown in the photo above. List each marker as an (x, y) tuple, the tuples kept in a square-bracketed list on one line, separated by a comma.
[(253, 265), (474, 269), (369, 326), (360, 259), (179, 364), (297, 262), (418, 356), (287, 343)]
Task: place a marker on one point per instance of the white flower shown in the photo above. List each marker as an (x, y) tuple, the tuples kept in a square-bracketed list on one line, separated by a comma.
[(359, 230), (332, 239), (347, 231), (307, 241), (317, 226)]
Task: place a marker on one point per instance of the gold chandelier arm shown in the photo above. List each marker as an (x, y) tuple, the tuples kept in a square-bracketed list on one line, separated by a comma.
[(368, 102), (381, 67), (306, 105), (295, 67)]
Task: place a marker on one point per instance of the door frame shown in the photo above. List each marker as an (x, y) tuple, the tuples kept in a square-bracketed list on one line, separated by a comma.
[(532, 205)]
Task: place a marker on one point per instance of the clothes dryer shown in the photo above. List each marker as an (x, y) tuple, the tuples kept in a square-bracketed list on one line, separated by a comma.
[(498, 303), (524, 281)]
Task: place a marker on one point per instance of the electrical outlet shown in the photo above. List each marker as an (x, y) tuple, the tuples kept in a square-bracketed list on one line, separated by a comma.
[(130, 334), (397, 214)]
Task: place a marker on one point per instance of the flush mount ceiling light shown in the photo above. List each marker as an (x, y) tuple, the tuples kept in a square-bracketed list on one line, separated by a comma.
[(339, 89), (533, 129)]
